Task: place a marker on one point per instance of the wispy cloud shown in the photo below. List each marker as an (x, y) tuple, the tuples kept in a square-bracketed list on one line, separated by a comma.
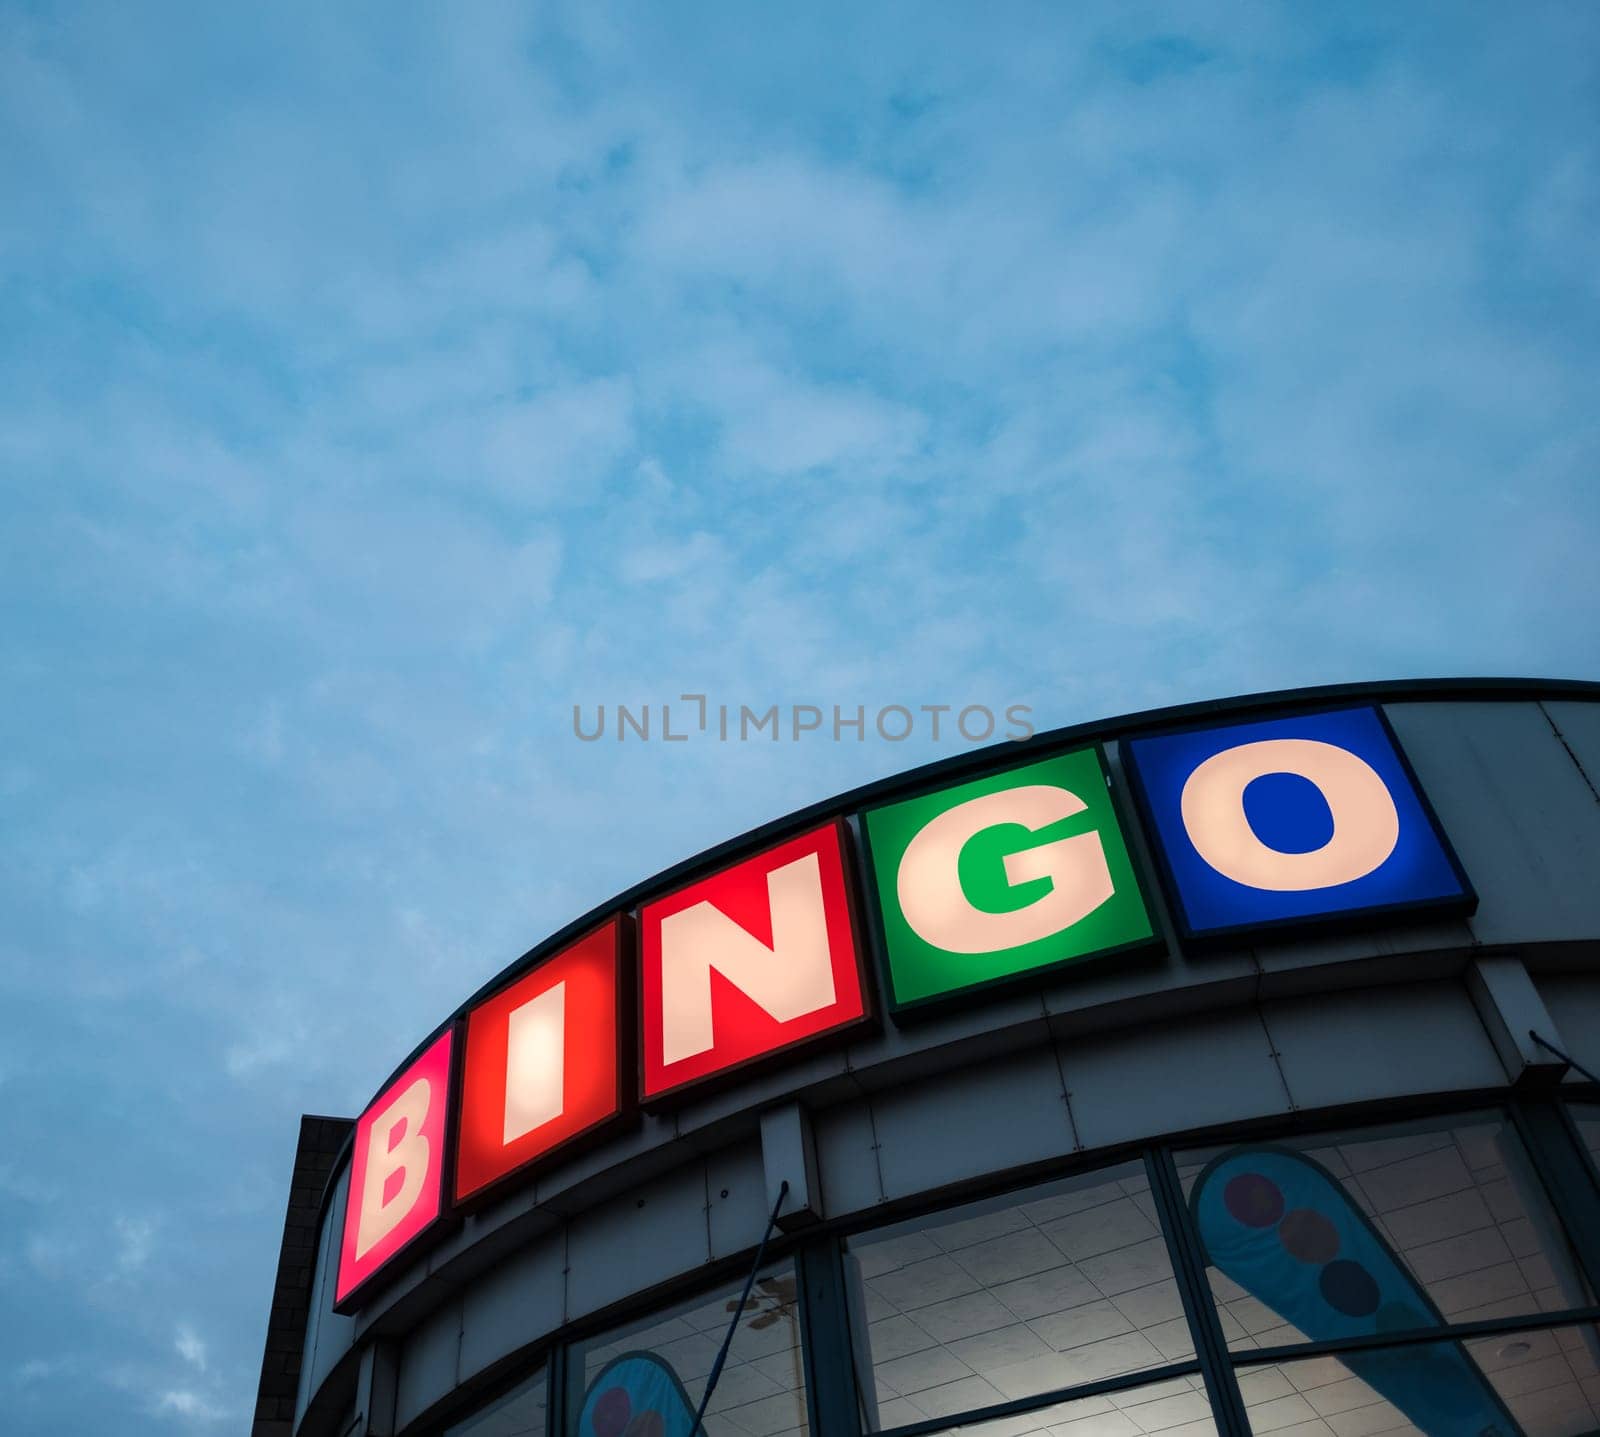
[(190, 1348)]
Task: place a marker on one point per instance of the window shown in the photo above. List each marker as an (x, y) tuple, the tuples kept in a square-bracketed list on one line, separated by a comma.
[(1381, 1230), (517, 1413), (1543, 1383), (1587, 1118), (661, 1363), (1412, 1278), (1012, 1298), (1177, 1407)]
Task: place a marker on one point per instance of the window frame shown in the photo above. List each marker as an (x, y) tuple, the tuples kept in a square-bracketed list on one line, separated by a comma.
[(1543, 1121)]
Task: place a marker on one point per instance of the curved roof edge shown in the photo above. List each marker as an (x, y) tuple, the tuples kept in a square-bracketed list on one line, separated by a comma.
[(870, 794)]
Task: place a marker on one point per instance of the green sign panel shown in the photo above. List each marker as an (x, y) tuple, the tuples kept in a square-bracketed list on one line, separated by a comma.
[(1003, 876)]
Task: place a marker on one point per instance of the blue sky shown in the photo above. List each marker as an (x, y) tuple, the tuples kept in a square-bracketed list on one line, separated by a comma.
[(379, 381)]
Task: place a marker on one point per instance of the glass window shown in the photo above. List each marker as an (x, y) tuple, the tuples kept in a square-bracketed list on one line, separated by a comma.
[(1519, 1384), (1587, 1117), (1012, 1297), (517, 1413), (1378, 1230), (660, 1364), (1177, 1407)]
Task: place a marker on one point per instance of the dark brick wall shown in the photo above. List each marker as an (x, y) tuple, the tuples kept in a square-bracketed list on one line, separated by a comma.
[(320, 1141)]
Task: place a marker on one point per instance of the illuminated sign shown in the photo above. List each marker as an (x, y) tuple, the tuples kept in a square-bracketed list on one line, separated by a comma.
[(1282, 821), (1256, 827), (747, 962), (396, 1170), (1001, 877), (540, 1062)]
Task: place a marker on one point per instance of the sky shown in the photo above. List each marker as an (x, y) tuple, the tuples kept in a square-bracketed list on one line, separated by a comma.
[(379, 382)]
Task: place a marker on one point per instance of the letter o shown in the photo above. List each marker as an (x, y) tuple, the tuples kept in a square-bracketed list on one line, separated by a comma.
[(905, 733), (1366, 825), (961, 723)]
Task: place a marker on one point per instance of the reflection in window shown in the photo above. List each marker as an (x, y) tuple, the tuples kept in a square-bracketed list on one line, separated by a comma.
[(660, 1364), (1175, 1408), (1379, 1230), (1587, 1117), (1523, 1384), (518, 1413), (1012, 1297)]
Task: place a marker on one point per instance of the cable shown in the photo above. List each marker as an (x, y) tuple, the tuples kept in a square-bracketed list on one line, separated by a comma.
[(744, 1297), (1570, 1062)]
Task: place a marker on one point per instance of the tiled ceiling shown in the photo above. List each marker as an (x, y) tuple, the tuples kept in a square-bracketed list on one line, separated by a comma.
[(1002, 1300), (761, 1392), (1549, 1382), (1459, 1205)]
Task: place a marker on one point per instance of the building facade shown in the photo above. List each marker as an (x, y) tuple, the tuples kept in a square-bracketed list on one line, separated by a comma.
[(1224, 1069)]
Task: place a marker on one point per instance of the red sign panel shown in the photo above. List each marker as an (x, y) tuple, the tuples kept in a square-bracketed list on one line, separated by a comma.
[(396, 1169), (751, 960), (541, 1062)]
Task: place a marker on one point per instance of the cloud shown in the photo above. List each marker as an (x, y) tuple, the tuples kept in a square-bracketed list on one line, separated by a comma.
[(555, 445), (691, 556), (135, 1242), (184, 1402), (190, 1348), (789, 430)]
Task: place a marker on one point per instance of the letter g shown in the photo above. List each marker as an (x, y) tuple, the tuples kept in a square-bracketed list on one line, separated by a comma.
[(939, 912)]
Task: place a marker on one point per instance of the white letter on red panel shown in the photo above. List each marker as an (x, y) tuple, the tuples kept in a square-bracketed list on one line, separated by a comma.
[(747, 961), (536, 1059), (788, 979), (396, 1144), (396, 1170)]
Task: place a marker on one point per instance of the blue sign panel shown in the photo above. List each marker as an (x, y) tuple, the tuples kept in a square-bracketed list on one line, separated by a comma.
[(1291, 820)]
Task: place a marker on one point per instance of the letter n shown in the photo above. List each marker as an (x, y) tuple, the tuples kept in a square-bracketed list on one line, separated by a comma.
[(748, 961)]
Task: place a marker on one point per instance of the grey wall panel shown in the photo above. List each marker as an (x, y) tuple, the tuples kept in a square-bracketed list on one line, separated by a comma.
[(429, 1363), (334, 1333), (1578, 726), (1375, 1043), (1408, 953), (789, 1167), (975, 1028), (820, 1078), (1516, 808), (1145, 987), (736, 1198), (515, 1304), (1574, 1004), (1172, 1077), (484, 1237), (847, 1159), (1001, 1114), (635, 1241), (649, 1146), (321, 1303), (1512, 1010)]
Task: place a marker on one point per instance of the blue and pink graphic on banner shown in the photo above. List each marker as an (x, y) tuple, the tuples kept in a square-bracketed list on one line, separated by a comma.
[(636, 1395), (1283, 1228)]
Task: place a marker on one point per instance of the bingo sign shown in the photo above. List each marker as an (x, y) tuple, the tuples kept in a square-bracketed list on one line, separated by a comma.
[(1015, 872), (1281, 822)]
